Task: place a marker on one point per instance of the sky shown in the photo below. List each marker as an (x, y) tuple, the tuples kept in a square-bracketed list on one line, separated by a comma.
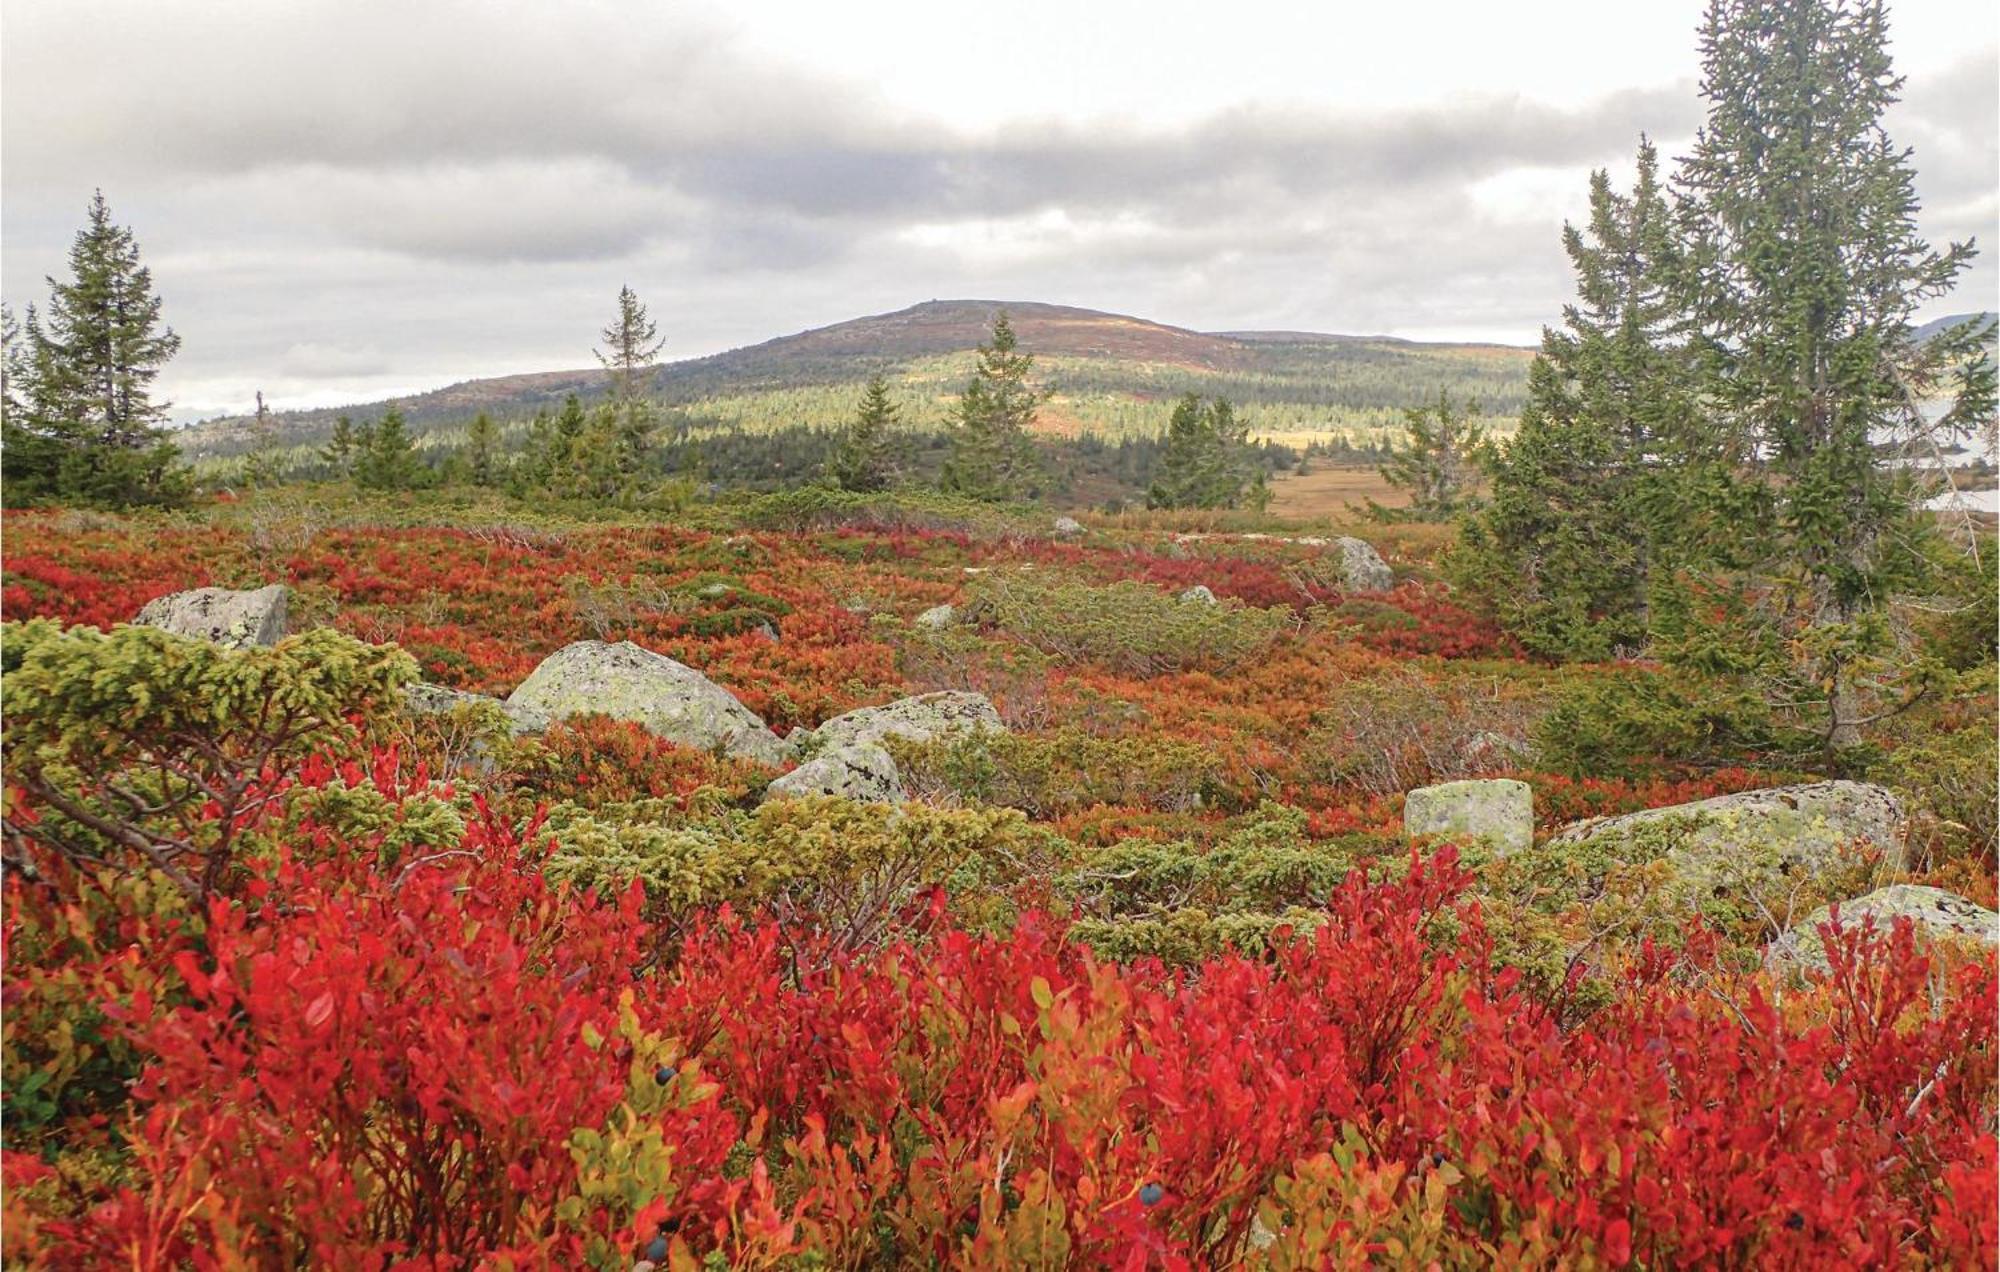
[(345, 200)]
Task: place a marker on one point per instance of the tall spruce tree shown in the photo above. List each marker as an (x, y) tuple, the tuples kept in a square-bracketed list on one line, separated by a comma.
[(1805, 270), (88, 430), (1582, 509), (862, 460), (992, 456), (632, 344)]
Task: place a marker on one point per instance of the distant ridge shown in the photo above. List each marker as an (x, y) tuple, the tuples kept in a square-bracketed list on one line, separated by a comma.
[(1117, 372)]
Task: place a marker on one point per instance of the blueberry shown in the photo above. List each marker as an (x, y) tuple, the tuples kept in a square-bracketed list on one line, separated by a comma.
[(1150, 1195), (1796, 1221), (656, 1249), (664, 1074)]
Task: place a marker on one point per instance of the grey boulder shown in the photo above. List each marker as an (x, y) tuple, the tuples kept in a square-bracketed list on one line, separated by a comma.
[(937, 617), (1499, 812), (1807, 828), (863, 772), (1200, 595), (235, 619), (1362, 568), (917, 719), (428, 699), (667, 698), (1068, 527), (1933, 912)]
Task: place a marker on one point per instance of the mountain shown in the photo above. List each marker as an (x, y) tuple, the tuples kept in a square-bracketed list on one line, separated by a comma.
[(1110, 374), (1938, 326)]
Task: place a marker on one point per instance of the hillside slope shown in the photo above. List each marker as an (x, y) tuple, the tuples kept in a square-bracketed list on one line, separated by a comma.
[(1111, 374)]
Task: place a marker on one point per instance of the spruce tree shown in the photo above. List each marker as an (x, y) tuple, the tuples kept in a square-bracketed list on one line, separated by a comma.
[(390, 461), (1207, 460), (89, 431), (482, 451), (1438, 463), (1583, 508), (1805, 270), (862, 461), (260, 464), (992, 455), (341, 448), (632, 344)]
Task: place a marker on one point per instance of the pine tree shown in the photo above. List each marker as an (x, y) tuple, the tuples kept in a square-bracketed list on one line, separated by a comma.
[(1582, 507), (1805, 271), (482, 458), (89, 431), (992, 455), (390, 461), (1207, 461), (1438, 462), (862, 461)]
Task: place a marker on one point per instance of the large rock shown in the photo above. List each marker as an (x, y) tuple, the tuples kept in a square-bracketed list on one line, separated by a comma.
[(917, 719), (1936, 914), (236, 619), (428, 699), (937, 617), (1499, 812), (862, 772), (653, 691), (1362, 568), (1811, 828)]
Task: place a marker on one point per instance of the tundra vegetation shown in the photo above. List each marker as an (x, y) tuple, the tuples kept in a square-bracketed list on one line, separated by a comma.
[(336, 950)]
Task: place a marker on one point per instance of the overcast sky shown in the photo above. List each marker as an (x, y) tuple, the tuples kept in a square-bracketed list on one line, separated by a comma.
[(349, 199)]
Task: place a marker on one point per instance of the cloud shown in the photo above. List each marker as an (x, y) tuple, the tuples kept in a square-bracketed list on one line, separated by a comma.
[(370, 192)]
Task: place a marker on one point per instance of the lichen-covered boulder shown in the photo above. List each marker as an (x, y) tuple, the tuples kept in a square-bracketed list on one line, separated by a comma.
[(238, 620), (917, 719), (664, 697), (1811, 828), (1935, 914), (1362, 568), (1499, 812), (1068, 527), (937, 617), (1200, 595), (426, 699), (862, 772)]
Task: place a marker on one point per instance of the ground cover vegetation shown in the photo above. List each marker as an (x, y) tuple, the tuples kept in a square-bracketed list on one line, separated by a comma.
[(299, 973)]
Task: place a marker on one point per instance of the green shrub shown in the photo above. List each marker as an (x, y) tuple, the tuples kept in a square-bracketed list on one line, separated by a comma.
[(1126, 627), (141, 749), (1625, 723), (1048, 774)]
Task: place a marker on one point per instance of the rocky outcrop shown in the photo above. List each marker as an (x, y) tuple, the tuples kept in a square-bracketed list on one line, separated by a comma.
[(1362, 568), (917, 719), (423, 699), (664, 697), (1810, 828), (1200, 594), (862, 772), (1499, 812), (238, 620), (1935, 914)]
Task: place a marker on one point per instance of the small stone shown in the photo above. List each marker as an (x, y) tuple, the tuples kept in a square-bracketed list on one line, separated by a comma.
[(937, 617), (1200, 595), (1068, 527)]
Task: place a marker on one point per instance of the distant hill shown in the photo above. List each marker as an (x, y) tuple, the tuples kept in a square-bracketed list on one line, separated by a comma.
[(1110, 374), (1938, 326)]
